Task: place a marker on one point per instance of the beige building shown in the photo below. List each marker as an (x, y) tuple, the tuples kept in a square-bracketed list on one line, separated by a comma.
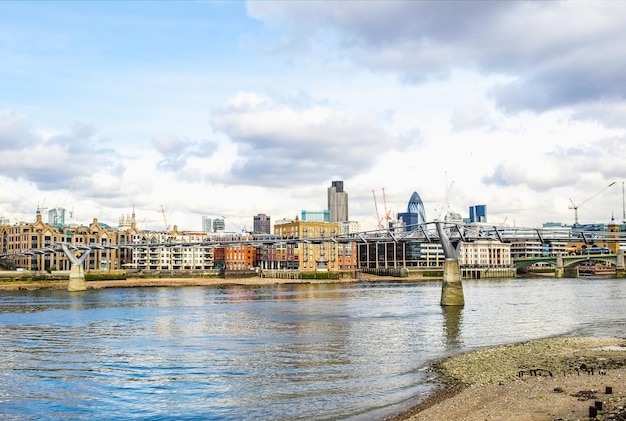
[(150, 250), (321, 253), (19, 239)]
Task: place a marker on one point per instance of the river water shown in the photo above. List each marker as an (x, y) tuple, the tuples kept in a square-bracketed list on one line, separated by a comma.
[(355, 351)]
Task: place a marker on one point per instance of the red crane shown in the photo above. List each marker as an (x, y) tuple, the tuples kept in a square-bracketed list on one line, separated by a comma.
[(167, 227), (378, 218), (387, 212)]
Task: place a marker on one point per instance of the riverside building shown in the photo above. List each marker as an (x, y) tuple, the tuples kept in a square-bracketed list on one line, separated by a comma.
[(19, 239), (168, 251), (320, 254), (475, 258)]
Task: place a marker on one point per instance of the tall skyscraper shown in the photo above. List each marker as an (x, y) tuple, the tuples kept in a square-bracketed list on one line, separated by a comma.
[(478, 213), (337, 202), (207, 224), (415, 213), (56, 217), (261, 224)]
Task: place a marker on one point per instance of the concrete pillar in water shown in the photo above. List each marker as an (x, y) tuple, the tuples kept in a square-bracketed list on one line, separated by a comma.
[(569, 272), (621, 270), (559, 271), (452, 288), (77, 273), (77, 279)]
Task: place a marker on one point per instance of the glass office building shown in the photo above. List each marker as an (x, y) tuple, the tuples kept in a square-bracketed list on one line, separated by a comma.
[(415, 214)]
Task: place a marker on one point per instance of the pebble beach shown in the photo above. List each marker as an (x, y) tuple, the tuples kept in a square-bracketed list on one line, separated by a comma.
[(554, 379)]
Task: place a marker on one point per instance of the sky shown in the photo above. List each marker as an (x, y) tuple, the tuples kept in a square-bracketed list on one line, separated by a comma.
[(228, 109)]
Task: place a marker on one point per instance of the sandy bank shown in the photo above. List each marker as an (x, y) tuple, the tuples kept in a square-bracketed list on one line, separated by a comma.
[(501, 383), (180, 282)]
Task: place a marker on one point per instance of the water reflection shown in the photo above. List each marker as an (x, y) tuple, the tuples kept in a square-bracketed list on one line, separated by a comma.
[(452, 326)]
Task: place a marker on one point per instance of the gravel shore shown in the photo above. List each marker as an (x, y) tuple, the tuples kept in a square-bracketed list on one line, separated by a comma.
[(549, 379)]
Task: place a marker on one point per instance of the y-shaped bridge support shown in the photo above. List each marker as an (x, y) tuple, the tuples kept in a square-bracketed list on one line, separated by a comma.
[(452, 289), (77, 273)]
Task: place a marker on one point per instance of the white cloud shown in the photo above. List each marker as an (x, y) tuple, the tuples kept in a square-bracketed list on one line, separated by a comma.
[(517, 105), (279, 143)]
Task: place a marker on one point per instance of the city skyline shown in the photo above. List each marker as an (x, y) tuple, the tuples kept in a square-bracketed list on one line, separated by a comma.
[(233, 109), (476, 213)]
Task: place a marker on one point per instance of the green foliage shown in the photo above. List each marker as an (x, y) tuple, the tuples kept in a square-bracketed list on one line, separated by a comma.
[(6, 264), (433, 273), (541, 270), (319, 275), (105, 276)]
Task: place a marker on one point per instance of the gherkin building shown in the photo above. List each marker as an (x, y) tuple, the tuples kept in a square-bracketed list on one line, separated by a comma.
[(415, 214)]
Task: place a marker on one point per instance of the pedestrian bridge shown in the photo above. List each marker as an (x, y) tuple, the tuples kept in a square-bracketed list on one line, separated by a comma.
[(449, 234)]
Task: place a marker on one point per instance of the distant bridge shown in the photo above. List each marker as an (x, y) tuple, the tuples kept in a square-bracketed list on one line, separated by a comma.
[(568, 261)]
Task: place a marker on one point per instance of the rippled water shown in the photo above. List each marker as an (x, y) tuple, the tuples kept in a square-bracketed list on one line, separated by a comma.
[(281, 352)]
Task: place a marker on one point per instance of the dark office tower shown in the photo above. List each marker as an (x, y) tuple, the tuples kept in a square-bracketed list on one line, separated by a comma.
[(261, 224), (478, 213), (337, 202), (219, 225), (415, 213)]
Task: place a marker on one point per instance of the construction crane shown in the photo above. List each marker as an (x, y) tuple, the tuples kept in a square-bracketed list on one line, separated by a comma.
[(387, 212), (167, 227), (575, 206), (623, 205), (378, 218), (41, 209)]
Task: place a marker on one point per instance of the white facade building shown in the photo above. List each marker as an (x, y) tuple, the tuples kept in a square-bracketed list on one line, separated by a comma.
[(171, 251), (349, 227), (485, 253)]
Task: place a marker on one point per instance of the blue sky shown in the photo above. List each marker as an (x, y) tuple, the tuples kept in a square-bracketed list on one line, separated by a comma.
[(237, 108)]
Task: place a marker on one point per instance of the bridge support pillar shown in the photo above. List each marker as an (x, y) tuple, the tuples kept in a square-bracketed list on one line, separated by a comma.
[(571, 272), (559, 271), (77, 278), (77, 273), (621, 270), (452, 289)]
